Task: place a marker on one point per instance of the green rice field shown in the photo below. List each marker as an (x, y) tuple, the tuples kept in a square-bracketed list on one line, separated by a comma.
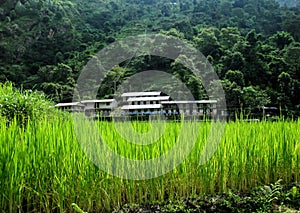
[(44, 167)]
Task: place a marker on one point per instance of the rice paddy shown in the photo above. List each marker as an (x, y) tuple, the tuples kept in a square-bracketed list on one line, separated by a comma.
[(44, 166)]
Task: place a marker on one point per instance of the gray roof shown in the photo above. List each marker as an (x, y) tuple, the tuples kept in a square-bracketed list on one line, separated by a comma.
[(139, 94), (190, 102), (159, 98), (98, 101), (69, 104), (145, 106)]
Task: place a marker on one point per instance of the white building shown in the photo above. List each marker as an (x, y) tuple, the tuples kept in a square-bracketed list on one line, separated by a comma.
[(191, 108), (99, 107), (71, 107)]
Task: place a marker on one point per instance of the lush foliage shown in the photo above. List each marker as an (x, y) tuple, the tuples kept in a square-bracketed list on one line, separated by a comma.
[(23, 105), (291, 3), (44, 169), (253, 45), (269, 198)]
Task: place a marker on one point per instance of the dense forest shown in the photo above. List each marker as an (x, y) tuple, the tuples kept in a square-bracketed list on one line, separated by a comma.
[(254, 45)]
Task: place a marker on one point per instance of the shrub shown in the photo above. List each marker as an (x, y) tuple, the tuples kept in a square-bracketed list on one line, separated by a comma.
[(23, 105)]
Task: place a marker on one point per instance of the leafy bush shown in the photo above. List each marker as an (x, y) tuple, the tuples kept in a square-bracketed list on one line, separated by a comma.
[(270, 198), (23, 105)]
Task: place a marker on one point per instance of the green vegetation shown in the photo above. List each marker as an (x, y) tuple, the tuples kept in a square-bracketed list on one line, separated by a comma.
[(44, 169), (23, 105), (253, 45), (269, 198)]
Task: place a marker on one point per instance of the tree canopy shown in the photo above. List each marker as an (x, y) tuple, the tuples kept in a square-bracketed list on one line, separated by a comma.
[(252, 44)]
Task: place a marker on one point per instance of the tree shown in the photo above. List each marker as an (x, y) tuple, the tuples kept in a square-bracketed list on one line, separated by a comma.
[(233, 94), (281, 39), (253, 98), (229, 37), (173, 32), (235, 76), (206, 41), (232, 60), (112, 80), (291, 24), (292, 59), (285, 89)]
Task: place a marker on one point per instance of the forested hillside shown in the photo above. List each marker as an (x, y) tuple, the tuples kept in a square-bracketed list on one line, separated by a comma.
[(289, 3), (252, 44)]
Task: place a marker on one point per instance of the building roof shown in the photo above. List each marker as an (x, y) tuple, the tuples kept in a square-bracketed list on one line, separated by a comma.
[(274, 108), (145, 106), (69, 104), (159, 98), (98, 101), (190, 102), (139, 94)]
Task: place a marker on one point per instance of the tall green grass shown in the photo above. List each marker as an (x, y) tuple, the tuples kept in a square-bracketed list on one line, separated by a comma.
[(43, 168)]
